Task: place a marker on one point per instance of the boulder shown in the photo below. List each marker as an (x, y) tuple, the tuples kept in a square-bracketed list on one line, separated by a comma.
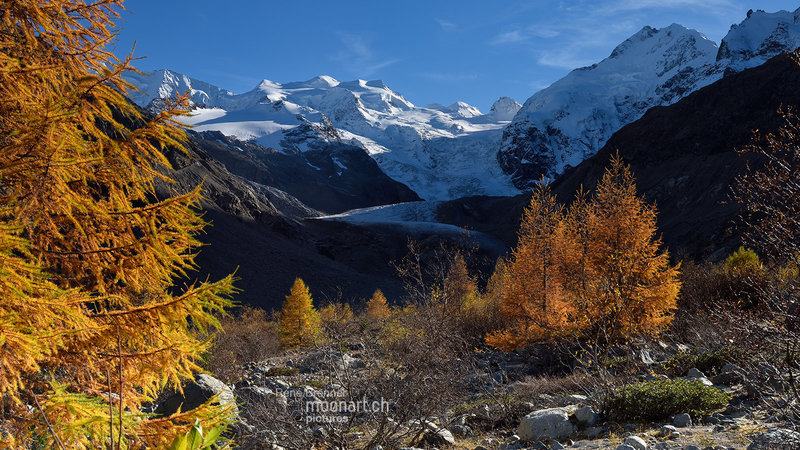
[(695, 373), (667, 430), (636, 442), (330, 360), (730, 375), (202, 389), (682, 420), (587, 416), (551, 423), (436, 436)]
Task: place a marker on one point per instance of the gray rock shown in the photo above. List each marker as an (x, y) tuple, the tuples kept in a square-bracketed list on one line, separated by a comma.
[(202, 389), (695, 373), (593, 432), (276, 384), (625, 447), (555, 445), (776, 439), (436, 435), (636, 442), (587, 416), (646, 358), (461, 431), (682, 420), (691, 447), (730, 374), (667, 430), (552, 423)]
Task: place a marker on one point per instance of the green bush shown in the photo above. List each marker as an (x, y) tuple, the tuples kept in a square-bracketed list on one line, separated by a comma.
[(654, 401), (708, 362)]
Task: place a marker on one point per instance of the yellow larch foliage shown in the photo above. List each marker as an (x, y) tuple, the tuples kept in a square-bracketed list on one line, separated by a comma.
[(532, 301), (336, 313), (89, 254), (299, 321), (377, 307), (630, 288), (595, 271)]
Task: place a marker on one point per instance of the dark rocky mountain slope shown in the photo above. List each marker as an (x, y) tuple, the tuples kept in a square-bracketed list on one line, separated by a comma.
[(683, 157), (269, 237)]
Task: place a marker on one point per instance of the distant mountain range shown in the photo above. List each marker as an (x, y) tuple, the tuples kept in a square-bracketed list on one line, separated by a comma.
[(441, 152), (446, 152)]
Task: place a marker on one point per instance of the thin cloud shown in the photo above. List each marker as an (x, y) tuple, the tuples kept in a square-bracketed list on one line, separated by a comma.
[(358, 56), (510, 37), (438, 76), (721, 7), (447, 25), (527, 34)]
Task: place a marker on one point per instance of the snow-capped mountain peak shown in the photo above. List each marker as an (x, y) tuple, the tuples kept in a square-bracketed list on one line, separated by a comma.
[(759, 37), (572, 119), (504, 109), (464, 110)]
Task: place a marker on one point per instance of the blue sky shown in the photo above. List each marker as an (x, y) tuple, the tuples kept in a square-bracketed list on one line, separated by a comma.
[(430, 51)]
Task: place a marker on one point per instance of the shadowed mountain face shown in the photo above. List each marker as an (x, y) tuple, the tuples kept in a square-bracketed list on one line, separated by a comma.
[(683, 157), (269, 237), (337, 178)]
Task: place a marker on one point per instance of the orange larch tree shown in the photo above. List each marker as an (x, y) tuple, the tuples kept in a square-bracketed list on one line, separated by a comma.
[(92, 325), (532, 301), (629, 287), (594, 272)]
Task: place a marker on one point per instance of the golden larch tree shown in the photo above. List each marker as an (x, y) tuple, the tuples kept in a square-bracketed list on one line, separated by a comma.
[(299, 321), (594, 272), (622, 282), (532, 301), (92, 325), (377, 307)]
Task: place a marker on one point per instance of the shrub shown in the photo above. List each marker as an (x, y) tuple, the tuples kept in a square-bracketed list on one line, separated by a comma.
[(743, 259), (653, 401), (249, 336), (708, 362)]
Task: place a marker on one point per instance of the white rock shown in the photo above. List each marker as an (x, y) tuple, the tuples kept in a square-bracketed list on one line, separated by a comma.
[(552, 423), (636, 442)]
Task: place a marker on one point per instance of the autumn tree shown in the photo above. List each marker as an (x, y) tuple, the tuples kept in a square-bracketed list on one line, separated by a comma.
[(377, 308), (92, 325), (532, 300), (623, 283), (299, 321), (594, 272)]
